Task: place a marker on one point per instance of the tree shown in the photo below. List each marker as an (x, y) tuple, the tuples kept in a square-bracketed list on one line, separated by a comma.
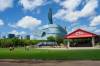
[(51, 38), (65, 41), (59, 39), (6, 42)]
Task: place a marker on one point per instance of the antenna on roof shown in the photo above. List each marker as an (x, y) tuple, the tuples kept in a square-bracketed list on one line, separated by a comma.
[(50, 16)]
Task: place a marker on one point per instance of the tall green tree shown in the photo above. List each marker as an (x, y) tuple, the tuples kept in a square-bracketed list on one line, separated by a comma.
[(59, 39), (51, 38)]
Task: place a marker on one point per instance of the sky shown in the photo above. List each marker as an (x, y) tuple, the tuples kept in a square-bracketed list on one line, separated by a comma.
[(22, 17)]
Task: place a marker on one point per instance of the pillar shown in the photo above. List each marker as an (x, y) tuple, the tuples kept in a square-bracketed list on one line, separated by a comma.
[(68, 43), (93, 41)]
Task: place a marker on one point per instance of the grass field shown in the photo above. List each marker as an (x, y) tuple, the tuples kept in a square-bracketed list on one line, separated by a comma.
[(37, 54)]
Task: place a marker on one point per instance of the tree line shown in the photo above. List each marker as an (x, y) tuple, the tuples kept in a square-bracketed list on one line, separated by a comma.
[(15, 42)]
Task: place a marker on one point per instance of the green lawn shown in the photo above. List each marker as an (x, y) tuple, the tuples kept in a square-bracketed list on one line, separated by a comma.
[(20, 53)]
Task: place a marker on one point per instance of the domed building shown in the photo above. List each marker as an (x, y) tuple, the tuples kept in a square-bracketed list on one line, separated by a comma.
[(51, 29)]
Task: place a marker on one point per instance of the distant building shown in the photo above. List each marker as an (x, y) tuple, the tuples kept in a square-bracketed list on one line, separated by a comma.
[(27, 37), (11, 36), (18, 36), (21, 37), (3, 37)]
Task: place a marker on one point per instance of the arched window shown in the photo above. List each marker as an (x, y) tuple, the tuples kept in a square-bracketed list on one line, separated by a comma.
[(43, 34)]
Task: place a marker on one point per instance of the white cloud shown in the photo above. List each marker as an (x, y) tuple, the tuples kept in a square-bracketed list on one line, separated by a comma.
[(89, 8), (28, 22), (17, 33), (1, 22), (14, 32), (70, 4), (57, 1), (67, 15), (31, 4), (22, 33), (71, 14), (4, 4), (97, 31), (95, 21), (12, 25)]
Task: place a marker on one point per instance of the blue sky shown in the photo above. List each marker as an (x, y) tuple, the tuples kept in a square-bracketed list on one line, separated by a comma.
[(24, 16)]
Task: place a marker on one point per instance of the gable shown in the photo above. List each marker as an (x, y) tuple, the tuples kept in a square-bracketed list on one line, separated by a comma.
[(80, 34)]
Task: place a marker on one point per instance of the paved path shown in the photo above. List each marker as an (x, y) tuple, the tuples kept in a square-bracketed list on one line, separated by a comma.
[(71, 48), (52, 63)]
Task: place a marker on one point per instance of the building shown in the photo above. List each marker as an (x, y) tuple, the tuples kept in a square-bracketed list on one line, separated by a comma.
[(27, 37), (3, 37), (11, 36), (86, 39), (50, 29), (18, 36)]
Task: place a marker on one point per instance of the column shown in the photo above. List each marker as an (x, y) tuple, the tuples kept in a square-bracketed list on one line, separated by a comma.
[(68, 43), (93, 41)]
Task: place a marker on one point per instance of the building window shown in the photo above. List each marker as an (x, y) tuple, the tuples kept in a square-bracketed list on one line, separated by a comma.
[(43, 34)]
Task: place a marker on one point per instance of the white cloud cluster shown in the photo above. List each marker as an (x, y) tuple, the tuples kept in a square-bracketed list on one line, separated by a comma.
[(1, 22), (89, 8), (5, 4), (31, 4), (69, 12), (28, 22), (70, 4), (97, 31), (17, 33), (95, 21)]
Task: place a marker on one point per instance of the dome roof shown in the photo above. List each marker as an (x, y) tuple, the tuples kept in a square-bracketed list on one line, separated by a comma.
[(51, 30)]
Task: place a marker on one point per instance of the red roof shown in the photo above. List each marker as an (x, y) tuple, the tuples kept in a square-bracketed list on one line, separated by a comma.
[(79, 33)]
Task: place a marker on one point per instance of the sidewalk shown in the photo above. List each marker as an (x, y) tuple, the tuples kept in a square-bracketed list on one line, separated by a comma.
[(71, 48)]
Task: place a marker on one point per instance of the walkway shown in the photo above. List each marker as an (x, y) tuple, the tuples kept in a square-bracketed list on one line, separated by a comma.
[(52, 63), (71, 48)]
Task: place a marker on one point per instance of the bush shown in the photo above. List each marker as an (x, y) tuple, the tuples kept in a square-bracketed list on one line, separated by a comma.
[(51, 38)]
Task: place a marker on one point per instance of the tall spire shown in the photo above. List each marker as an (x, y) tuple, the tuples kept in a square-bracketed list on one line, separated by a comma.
[(50, 16)]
